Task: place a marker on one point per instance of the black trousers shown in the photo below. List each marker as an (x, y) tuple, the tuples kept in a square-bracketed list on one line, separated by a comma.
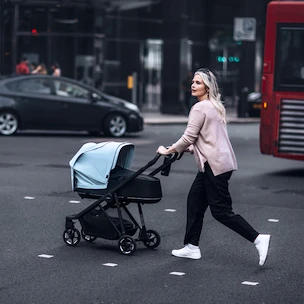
[(209, 190)]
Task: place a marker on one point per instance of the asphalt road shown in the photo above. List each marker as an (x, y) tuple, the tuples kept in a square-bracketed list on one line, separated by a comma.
[(35, 165)]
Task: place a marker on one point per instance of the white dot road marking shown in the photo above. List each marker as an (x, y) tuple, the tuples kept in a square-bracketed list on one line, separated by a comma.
[(46, 256), (74, 202), (177, 273), (250, 283), (110, 264), (29, 197), (170, 210), (273, 220)]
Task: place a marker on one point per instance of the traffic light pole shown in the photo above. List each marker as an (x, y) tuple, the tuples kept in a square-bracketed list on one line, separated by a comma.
[(247, 73)]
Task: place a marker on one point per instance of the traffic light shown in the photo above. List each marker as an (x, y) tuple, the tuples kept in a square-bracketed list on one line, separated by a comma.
[(223, 59)]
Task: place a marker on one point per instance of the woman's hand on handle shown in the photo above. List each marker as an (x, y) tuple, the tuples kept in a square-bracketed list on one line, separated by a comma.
[(165, 151)]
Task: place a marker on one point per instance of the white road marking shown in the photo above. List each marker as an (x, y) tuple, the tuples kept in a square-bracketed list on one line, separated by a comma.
[(250, 283), (46, 256), (273, 220), (29, 197), (177, 273), (74, 202), (170, 210), (110, 264)]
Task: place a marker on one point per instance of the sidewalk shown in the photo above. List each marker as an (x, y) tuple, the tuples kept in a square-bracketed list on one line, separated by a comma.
[(156, 118)]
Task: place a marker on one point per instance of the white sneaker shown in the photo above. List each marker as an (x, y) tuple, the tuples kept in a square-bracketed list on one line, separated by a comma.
[(189, 251), (262, 245)]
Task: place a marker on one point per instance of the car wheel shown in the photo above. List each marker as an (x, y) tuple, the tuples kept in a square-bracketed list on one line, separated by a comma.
[(8, 123), (115, 125)]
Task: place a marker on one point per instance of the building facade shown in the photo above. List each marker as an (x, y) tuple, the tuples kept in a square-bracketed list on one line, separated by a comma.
[(103, 42)]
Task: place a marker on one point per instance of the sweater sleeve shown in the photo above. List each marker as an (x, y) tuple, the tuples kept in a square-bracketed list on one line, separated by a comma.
[(195, 123)]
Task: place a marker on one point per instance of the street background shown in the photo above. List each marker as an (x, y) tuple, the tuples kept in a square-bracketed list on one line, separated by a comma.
[(36, 165)]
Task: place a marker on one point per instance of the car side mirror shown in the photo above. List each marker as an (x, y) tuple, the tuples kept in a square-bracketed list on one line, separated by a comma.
[(94, 97)]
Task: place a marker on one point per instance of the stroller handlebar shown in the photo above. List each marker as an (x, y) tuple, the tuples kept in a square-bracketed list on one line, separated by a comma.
[(166, 166)]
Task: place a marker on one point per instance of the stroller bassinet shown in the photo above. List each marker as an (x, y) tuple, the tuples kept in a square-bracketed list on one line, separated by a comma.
[(99, 168), (101, 171), (143, 188)]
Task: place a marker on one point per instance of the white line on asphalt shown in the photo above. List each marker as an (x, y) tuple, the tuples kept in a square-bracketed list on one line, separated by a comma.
[(46, 256), (177, 273), (74, 202), (250, 283), (170, 210), (29, 197), (110, 264), (273, 220)]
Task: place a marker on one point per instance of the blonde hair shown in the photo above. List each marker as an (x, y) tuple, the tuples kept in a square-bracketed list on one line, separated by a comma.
[(214, 93)]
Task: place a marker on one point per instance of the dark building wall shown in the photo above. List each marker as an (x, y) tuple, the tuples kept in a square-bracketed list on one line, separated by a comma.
[(178, 30), (185, 27)]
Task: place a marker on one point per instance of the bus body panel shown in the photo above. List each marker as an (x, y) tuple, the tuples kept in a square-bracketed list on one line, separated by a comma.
[(276, 138)]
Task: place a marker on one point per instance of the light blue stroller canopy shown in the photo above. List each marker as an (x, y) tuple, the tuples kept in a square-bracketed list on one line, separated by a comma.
[(92, 164)]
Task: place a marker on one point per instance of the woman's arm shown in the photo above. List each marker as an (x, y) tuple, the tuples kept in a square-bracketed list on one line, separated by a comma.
[(37, 70), (195, 123)]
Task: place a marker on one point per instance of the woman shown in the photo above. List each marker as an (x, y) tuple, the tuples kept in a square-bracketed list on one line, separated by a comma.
[(40, 69), (206, 136), (56, 69)]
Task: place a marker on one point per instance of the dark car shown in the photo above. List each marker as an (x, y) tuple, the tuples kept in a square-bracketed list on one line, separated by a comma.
[(59, 103), (254, 102)]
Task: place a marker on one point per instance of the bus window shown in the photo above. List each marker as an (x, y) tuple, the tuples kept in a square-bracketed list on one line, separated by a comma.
[(289, 72)]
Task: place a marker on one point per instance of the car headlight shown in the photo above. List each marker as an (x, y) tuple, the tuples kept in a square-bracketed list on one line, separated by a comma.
[(132, 107)]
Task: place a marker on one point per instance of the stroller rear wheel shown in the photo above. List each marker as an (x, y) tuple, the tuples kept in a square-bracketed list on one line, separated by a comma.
[(88, 238), (152, 239), (127, 245), (71, 236)]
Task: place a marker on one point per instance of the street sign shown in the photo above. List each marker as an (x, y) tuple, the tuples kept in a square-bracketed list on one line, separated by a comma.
[(244, 29)]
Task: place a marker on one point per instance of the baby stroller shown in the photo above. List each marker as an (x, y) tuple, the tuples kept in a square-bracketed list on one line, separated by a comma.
[(101, 172)]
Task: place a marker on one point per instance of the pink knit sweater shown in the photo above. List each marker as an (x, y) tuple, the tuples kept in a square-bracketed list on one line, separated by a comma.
[(206, 134)]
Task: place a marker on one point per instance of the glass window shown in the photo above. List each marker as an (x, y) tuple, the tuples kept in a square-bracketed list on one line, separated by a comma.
[(64, 20), (68, 89), (37, 86), (32, 19), (289, 71)]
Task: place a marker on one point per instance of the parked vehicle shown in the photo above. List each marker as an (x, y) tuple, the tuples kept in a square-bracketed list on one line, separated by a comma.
[(254, 104), (58, 103)]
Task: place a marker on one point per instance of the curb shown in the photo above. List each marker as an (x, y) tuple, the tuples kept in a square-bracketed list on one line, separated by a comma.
[(183, 121)]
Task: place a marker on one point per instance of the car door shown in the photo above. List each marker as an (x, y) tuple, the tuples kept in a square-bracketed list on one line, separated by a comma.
[(35, 102), (77, 109)]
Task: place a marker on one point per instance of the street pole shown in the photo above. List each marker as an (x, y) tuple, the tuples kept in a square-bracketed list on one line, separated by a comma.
[(134, 89), (247, 73), (1, 35)]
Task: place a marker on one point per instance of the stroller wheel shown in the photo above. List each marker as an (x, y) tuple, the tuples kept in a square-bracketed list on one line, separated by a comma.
[(88, 238), (152, 239), (71, 236), (127, 245)]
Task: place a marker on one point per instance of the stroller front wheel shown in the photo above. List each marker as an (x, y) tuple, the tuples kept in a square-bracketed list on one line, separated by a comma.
[(127, 245), (71, 236), (86, 237), (152, 239)]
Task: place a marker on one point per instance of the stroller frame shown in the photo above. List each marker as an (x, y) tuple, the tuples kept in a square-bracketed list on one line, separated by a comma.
[(126, 243)]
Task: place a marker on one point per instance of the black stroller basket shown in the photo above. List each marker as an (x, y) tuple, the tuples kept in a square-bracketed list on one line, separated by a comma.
[(125, 187)]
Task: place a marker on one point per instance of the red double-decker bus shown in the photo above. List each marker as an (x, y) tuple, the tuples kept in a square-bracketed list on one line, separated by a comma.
[(282, 112)]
